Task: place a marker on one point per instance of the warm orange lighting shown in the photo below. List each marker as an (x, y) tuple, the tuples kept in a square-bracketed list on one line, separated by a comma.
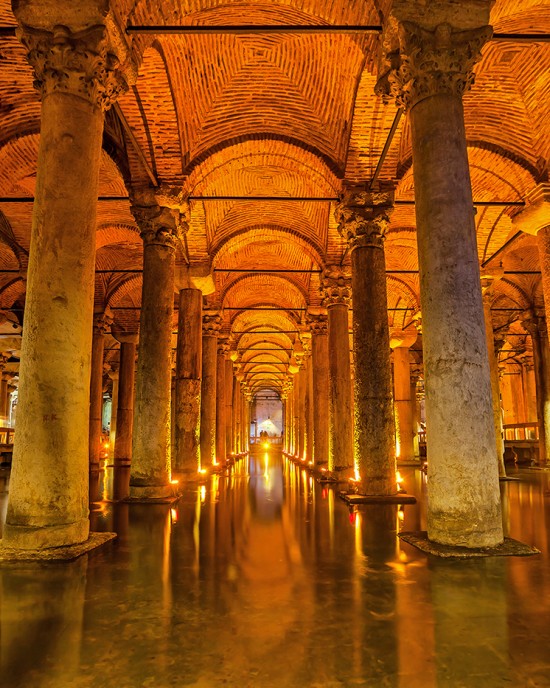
[(203, 493), (323, 470), (215, 462), (401, 514), (174, 481), (266, 445), (311, 463), (106, 445), (174, 515), (398, 478), (202, 470)]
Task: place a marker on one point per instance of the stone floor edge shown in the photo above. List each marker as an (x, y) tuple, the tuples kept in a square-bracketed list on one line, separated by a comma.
[(69, 553), (509, 548)]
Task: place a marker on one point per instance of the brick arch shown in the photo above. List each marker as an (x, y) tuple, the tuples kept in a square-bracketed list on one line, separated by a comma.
[(256, 289), (12, 291), (111, 233)]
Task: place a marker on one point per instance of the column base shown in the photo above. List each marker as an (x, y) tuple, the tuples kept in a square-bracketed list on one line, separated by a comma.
[(66, 553), (153, 494), (45, 537), (400, 498), (507, 548)]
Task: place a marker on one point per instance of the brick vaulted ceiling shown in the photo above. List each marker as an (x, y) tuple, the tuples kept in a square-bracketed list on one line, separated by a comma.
[(285, 115)]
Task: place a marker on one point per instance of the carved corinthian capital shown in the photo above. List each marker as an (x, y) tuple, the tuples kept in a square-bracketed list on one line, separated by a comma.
[(162, 217), (211, 324), (363, 216), (78, 64), (428, 63), (335, 287), (318, 324)]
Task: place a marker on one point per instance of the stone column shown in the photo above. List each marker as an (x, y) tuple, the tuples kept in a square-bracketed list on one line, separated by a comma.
[(363, 219), (247, 397), (125, 402), (113, 375), (102, 323), (320, 366), (223, 348), (487, 284), (48, 499), (159, 218), (415, 374), (428, 75), (228, 407), (336, 294), (401, 341), (211, 323), (528, 388), (4, 391), (237, 377), (188, 382), (536, 327)]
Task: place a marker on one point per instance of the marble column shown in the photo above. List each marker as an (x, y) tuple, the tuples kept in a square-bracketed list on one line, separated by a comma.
[(75, 73), (536, 326), (528, 388), (114, 377), (336, 295), (125, 402), (5, 377), (320, 366), (428, 75), (188, 383), (300, 415), (211, 323), (363, 219), (415, 412), (228, 407), (159, 218), (237, 377), (102, 323), (401, 341), (487, 284), (223, 348)]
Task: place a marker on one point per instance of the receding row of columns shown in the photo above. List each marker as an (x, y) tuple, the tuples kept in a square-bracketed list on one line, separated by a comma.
[(48, 502)]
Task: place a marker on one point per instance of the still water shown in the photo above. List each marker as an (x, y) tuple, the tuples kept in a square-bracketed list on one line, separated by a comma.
[(264, 578)]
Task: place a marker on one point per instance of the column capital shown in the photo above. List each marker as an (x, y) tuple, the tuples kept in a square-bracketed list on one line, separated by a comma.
[(403, 338), (3, 361), (489, 277), (76, 63), (536, 214), (422, 62), (318, 323), (335, 287), (102, 322), (223, 346), (211, 323), (534, 324), (162, 215), (124, 337), (363, 215)]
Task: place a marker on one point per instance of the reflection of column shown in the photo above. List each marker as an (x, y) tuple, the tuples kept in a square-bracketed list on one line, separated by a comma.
[(44, 608), (4, 411), (75, 73), (470, 605), (319, 365), (237, 377), (101, 325), (363, 219), (429, 74), (188, 381), (211, 324), (415, 374), (223, 348), (336, 296), (160, 227)]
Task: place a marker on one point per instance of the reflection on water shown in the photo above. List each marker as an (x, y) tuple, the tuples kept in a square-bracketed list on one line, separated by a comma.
[(261, 577)]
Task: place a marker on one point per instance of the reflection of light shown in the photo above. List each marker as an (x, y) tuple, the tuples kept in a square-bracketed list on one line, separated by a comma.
[(202, 470), (106, 445), (398, 478), (215, 462), (174, 515), (401, 514), (266, 445), (174, 481), (203, 493)]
